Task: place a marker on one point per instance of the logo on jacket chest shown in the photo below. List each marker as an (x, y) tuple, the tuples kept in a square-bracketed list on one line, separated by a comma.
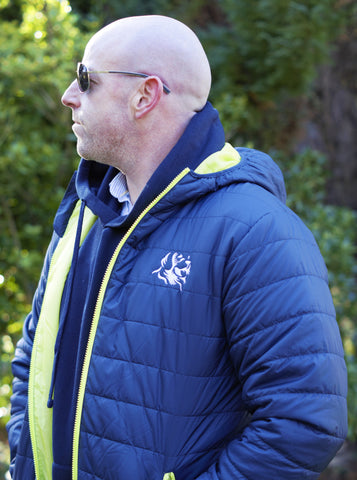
[(174, 269)]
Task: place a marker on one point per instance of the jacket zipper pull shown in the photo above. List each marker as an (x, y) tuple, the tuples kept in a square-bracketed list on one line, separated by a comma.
[(169, 476)]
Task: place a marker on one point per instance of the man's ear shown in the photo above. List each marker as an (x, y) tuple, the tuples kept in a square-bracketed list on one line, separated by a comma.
[(148, 96)]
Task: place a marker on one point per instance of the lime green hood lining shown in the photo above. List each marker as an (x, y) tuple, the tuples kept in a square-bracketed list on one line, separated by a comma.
[(226, 158)]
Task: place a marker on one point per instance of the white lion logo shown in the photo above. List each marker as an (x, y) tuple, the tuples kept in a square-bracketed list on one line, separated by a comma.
[(174, 269)]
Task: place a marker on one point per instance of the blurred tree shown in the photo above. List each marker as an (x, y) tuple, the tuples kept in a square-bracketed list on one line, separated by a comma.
[(267, 55), (37, 54), (331, 114), (11, 10)]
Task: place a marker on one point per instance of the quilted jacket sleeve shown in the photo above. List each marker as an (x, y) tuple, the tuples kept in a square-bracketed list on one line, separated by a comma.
[(287, 352), (22, 359)]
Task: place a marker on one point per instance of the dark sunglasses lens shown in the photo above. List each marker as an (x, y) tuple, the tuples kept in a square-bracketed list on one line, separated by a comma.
[(82, 77)]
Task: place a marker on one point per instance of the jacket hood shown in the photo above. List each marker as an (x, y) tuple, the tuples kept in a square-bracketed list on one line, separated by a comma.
[(259, 168)]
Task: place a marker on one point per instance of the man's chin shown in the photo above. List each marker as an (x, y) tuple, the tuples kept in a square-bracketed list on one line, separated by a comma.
[(83, 153)]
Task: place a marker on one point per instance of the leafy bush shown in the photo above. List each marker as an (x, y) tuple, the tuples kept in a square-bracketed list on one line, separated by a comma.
[(37, 63)]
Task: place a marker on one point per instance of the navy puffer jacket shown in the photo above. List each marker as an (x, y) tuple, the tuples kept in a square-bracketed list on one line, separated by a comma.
[(215, 353)]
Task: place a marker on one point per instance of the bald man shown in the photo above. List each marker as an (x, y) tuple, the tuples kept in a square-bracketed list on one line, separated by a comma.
[(183, 325)]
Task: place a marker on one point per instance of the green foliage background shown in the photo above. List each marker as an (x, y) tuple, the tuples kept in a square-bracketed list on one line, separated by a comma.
[(264, 57)]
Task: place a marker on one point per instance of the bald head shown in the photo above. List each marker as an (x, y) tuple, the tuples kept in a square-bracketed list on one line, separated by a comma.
[(131, 122), (162, 46)]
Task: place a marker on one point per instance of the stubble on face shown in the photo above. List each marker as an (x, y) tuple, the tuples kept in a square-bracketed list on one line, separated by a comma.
[(104, 123)]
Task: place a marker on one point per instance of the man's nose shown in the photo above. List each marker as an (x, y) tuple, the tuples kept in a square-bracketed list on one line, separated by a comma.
[(70, 98)]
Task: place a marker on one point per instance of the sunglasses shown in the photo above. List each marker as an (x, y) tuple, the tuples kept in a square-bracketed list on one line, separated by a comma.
[(83, 77)]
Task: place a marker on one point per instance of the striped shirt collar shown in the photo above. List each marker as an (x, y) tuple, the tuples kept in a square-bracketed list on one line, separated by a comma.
[(119, 190)]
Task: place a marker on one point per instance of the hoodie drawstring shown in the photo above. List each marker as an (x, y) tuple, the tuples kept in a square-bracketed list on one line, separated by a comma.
[(66, 303)]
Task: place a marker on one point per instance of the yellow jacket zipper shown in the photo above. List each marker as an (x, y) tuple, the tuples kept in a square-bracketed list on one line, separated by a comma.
[(95, 320)]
